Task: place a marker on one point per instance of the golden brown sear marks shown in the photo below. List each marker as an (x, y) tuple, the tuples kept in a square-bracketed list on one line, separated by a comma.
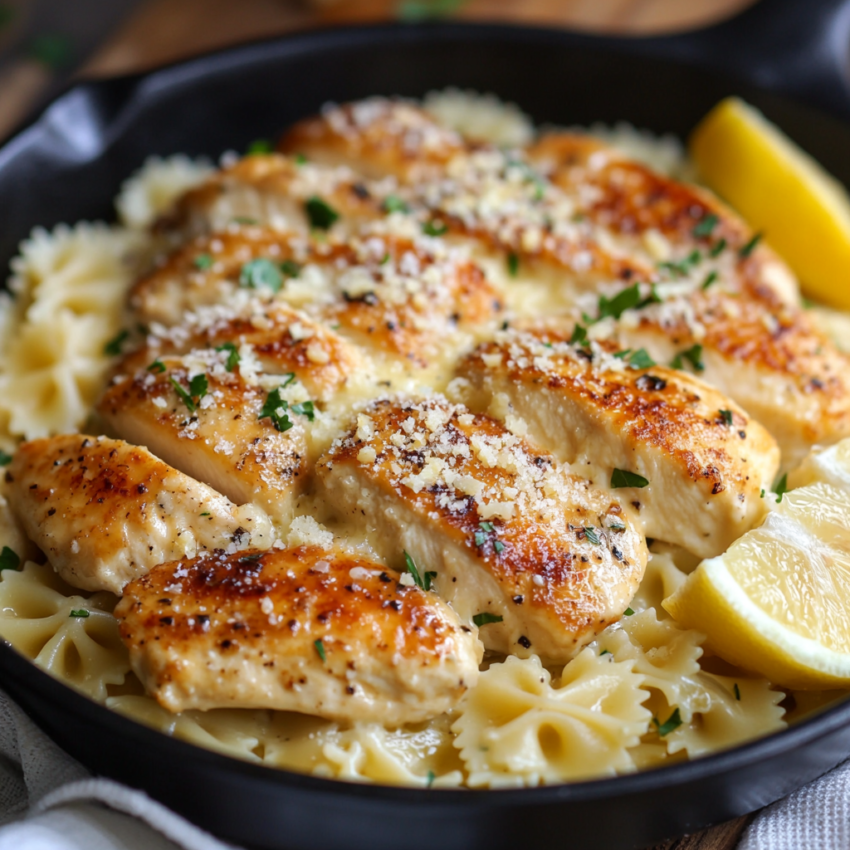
[(697, 448), (246, 440), (506, 530), (105, 512), (304, 629)]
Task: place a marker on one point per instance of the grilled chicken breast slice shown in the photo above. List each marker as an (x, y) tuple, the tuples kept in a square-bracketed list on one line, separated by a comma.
[(698, 450), (548, 559), (299, 629), (105, 512), (243, 439), (392, 295)]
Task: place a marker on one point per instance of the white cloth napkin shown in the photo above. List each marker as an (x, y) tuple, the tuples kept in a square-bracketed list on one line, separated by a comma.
[(48, 801)]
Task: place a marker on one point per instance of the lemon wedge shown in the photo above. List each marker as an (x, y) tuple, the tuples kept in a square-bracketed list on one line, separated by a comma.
[(779, 189), (778, 601)]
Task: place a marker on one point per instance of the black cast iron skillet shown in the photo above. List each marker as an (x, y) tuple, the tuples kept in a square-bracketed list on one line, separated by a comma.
[(68, 165)]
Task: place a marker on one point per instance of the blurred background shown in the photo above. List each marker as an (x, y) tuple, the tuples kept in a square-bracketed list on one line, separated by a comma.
[(44, 44)]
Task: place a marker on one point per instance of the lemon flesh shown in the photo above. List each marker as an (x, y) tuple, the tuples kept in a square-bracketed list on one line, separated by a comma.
[(778, 601), (779, 189)]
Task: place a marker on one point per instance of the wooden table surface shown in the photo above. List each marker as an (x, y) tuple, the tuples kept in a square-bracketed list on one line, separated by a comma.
[(166, 30)]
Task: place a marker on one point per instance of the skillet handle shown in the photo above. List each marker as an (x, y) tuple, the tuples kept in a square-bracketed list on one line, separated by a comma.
[(798, 48)]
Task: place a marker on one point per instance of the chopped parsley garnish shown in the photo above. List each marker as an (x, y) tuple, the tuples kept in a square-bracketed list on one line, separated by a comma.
[(429, 781), (320, 648), (486, 526), (604, 652), (748, 249), (435, 228), (300, 158), (498, 546), (480, 538), (485, 618), (710, 278), (115, 345), (203, 261), (244, 219), (392, 203), (628, 612), (718, 248), (385, 259), (682, 267), (304, 408), (590, 534), (579, 336), (706, 226), (622, 301), (198, 388), (275, 409), (5, 458), (781, 488), (513, 264), (761, 495), (290, 268), (79, 612), (616, 526), (421, 10), (260, 146), (157, 366), (261, 274), (420, 580), (9, 559), (232, 357), (321, 215), (290, 379), (623, 478), (640, 359), (674, 721), (205, 513), (726, 416), (737, 691), (693, 355)]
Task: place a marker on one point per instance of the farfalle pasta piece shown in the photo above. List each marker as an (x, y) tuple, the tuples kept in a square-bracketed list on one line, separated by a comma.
[(516, 729), (73, 637)]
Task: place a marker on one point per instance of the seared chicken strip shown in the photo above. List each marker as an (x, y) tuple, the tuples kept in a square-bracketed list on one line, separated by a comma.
[(300, 629), (394, 295), (105, 512), (548, 559), (697, 449), (245, 439)]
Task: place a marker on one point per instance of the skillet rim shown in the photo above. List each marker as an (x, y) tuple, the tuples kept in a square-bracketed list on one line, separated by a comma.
[(129, 87)]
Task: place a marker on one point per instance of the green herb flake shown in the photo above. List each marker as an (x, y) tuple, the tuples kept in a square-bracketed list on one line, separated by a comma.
[(711, 277), (761, 495), (304, 408), (410, 565), (693, 355), (261, 274), (413, 11), (513, 264), (435, 228), (429, 578), (624, 300), (157, 366), (233, 357), (486, 526), (290, 379), (385, 259), (604, 652), (320, 648), (498, 546), (726, 416), (52, 50), (705, 227), (579, 336), (429, 779), (616, 526), (114, 346), (290, 268), (781, 488), (205, 513), (9, 559), (590, 534), (275, 409), (674, 721), (628, 612), (185, 397), (737, 691), (392, 203), (320, 214), (81, 613), (640, 359), (199, 386), (244, 219), (300, 159), (485, 618), (718, 248), (5, 458), (623, 478), (748, 249), (480, 538), (260, 146), (203, 262)]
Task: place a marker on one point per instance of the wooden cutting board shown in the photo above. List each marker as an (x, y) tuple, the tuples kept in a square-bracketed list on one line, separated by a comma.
[(165, 30)]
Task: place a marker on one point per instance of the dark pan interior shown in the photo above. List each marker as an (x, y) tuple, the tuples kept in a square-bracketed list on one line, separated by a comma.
[(68, 166)]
